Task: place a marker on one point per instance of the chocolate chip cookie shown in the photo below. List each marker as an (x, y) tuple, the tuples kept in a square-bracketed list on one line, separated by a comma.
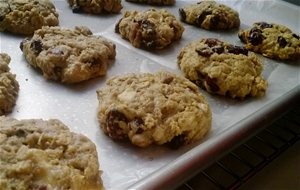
[(9, 86), (39, 154), (154, 2), (152, 29), (26, 16), (66, 55), (160, 108), (272, 40), (95, 6), (210, 16), (222, 68)]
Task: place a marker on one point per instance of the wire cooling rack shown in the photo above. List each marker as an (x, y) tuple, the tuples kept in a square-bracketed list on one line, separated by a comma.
[(237, 167)]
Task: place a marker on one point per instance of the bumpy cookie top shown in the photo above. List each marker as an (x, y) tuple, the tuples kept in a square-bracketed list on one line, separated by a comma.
[(160, 108), (222, 68), (25, 16), (66, 55), (9, 87), (154, 2), (210, 15), (95, 6), (272, 40), (38, 154), (152, 29)]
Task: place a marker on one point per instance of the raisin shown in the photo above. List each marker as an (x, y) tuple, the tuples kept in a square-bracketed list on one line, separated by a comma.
[(264, 25), (296, 36), (211, 42), (202, 17), (214, 22), (117, 27), (22, 45), (212, 84), (177, 141), (36, 46), (112, 123), (242, 37), (205, 52), (255, 36), (282, 42), (2, 17), (237, 50), (168, 80), (182, 14), (218, 49), (138, 122), (149, 38)]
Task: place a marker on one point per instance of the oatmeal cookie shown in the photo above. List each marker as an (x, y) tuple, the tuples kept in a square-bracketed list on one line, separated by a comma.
[(95, 6), (222, 68), (154, 2), (152, 29), (160, 108), (210, 16), (39, 154), (9, 86), (66, 55), (26, 16), (271, 40)]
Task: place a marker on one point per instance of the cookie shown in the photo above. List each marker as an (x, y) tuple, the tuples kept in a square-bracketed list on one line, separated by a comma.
[(222, 68), (271, 40), (210, 16), (39, 154), (66, 55), (151, 29), (95, 6), (154, 2), (160, 108), (26, 16), (9, 86)]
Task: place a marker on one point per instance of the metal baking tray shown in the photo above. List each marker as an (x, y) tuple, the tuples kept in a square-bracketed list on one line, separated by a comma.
[(125, 166)]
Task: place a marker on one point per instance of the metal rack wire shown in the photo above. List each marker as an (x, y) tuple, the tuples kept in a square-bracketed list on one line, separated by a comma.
[(237, 167)]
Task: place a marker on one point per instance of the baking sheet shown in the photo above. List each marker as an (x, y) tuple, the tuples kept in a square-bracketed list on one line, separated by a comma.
[(76, 105)]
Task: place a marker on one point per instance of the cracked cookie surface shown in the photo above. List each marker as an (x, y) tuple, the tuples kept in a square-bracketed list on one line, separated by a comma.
[(159, 108), (68, 56), (151, 29), (9, 86), (222, 68), (26, 16), (210, 15), (154, 2), (44, 154), (271, 40), (95, 6)]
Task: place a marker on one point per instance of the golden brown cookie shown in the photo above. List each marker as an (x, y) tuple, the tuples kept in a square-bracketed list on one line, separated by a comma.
[(39, 154), (160, 108), (68, 56), (222, 68)]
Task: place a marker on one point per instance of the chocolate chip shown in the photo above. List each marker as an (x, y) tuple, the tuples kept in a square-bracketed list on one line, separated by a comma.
[(211, 42), (138, 122), (76, 8), (113, 121), (218, 49), (255, 36), (202, 17), (212, 84), (205, 52), (282, 42), (117, 27), (237, 50), (296, 36), (182, 14), (36, 46), (168, 80), (177, 142), (264, 25)]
